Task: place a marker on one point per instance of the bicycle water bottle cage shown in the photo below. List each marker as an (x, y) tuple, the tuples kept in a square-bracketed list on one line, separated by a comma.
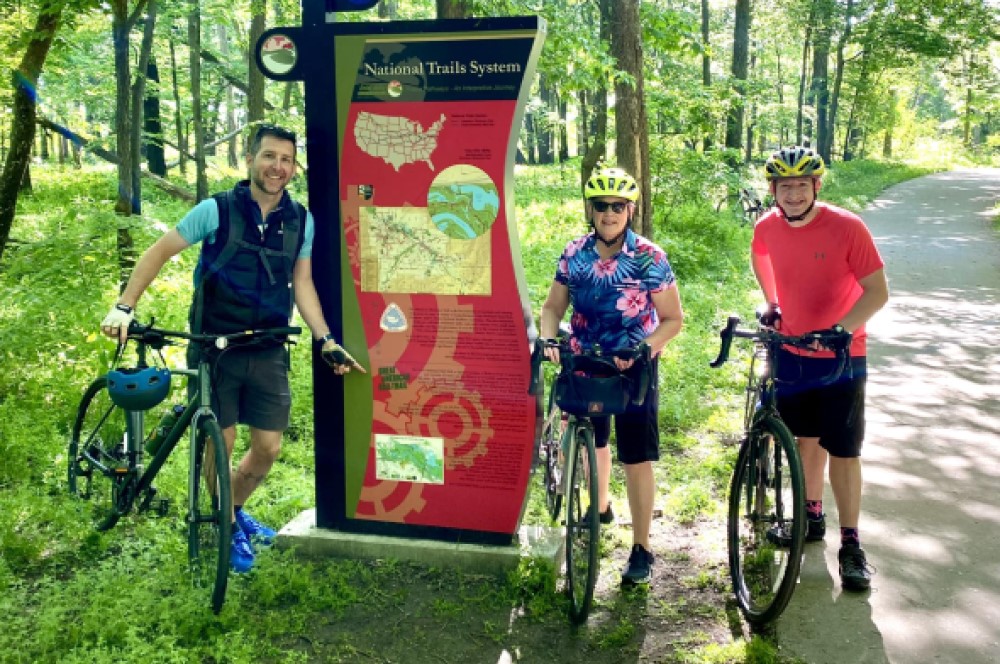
[(138, 388)]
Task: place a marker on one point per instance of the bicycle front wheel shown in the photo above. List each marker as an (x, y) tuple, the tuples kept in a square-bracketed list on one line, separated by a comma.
[(210, 511), (766, 527), (552, 429), (98, 462), (582, 525)]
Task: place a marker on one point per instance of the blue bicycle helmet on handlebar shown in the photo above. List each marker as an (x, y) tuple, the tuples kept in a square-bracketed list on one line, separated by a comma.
[(138, 388)]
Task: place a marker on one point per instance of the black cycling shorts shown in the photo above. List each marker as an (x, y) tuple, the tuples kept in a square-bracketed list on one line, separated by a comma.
[(637, 431), (250, 386), (833, 413)]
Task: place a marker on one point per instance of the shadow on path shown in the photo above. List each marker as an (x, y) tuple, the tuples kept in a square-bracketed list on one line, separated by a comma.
[(931, 507)]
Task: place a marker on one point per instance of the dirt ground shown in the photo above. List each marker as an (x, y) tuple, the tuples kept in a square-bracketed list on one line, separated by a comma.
[(435, 617)]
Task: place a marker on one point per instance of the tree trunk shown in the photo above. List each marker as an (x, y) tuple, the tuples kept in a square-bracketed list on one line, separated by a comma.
[(529, 137), (563, 107), (706, 64), (388, 8), (741, 58), (255, 89), (232, 149), (153, 123), (543, 126), (194, 49), (454, 9), (819, 92), (752, 119), (803, 77), (136, 103), (121, 27), (631, 126), (598, 145), (182, 136), (22, 130), (838, 79)]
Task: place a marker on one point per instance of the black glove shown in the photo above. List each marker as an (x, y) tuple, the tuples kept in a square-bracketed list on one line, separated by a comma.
[(833, 338), (769, 315)]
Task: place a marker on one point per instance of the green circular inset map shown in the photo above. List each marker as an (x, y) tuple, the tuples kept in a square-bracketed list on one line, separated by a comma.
[(463, 202)]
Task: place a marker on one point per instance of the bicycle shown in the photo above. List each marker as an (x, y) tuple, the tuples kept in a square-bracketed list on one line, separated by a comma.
[(106, 447), (588, 384), (746, 204), (766, 513), (752, 206)]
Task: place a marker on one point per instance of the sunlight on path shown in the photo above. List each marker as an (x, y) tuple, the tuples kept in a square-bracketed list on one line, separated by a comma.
[(931, 509)]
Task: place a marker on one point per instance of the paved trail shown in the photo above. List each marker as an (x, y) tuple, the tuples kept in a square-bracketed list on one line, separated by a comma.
[(930, 516)]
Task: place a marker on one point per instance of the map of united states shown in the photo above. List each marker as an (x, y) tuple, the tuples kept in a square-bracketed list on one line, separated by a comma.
[(397, 140)]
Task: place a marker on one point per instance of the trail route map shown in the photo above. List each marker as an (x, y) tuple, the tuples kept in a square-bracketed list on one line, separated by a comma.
[(396, 140), (409, 458), (403, 251)]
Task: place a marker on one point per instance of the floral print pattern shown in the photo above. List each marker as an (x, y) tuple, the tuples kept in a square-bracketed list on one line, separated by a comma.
[(612, 298)]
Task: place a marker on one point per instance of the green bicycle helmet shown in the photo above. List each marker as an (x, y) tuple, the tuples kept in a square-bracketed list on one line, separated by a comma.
[(612, 182), (794, 162), (138, 388)]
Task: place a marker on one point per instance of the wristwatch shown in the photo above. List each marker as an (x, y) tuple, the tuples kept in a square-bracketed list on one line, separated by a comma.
[(327, 337), (124, 308), (838, 328)]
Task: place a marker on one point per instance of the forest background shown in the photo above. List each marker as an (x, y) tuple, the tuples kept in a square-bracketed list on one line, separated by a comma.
[(120, 114)]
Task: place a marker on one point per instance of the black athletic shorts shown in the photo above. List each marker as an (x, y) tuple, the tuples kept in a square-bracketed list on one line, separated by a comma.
[(637, 431), (250, 386), (833, 413)]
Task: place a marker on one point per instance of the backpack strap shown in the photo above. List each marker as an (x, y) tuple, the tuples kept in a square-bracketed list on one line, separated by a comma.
[(294, 238), (230, 233)]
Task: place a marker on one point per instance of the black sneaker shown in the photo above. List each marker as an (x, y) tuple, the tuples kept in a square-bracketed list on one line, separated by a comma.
[(607, 516), (640, 567), (816, 528), (855, 572)]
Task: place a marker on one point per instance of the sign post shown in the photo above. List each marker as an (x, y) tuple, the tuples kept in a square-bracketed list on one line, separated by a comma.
[(411, 132)]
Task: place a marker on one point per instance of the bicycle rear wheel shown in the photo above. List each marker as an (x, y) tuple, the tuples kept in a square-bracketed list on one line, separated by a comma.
[(98, 464), (766, 527), (210, 511), (582, 525), (552, 429)]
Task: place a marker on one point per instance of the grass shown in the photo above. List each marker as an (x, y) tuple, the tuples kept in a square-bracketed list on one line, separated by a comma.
[(73, 595)]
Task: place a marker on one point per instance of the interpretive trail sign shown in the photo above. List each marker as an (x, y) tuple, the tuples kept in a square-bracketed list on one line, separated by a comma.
[(411, 132)]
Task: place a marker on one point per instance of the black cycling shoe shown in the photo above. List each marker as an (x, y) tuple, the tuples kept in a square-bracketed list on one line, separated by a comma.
[(816, 528), (607, 516), (855, 572), (640, 567)]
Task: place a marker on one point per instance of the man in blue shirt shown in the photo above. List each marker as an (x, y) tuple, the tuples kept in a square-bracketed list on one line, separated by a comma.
[(246, 279)]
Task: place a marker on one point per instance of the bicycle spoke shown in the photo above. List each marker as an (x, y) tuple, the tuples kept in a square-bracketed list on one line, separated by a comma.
[(553, 467), (766, 522), (582, 526), (97, 463), (210, 513)]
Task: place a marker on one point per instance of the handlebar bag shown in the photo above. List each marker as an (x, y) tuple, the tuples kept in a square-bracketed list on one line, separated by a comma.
[(592, 388)]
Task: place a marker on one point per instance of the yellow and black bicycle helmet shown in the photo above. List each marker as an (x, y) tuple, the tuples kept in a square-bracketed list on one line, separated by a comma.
[(794, 162), (611, 182)]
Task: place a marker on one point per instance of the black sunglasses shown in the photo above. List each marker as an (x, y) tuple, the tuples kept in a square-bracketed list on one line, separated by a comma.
[(602, 206)]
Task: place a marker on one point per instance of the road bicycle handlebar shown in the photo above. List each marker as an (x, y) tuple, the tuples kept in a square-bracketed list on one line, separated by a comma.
[(838, 342), (157, 338), (597, 356)]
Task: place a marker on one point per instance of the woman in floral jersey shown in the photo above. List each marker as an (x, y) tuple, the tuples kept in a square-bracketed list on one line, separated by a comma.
[(623, 293)]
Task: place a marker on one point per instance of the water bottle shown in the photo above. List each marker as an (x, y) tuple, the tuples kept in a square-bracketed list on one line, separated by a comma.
[(163, 428)]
